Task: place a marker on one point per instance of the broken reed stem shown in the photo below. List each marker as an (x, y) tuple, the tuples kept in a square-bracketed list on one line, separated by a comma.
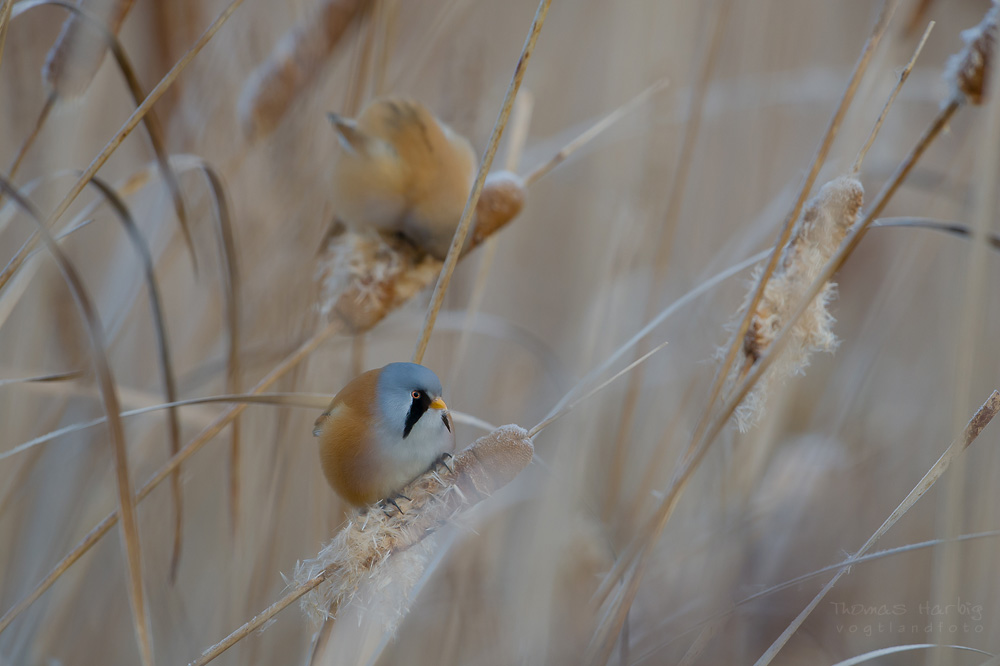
[(167, 469), (134, 119), (372, 536), (437, 298), (736, 342), (293, 65), (116, 431), (980, 420), (663, 243), (591, 133), (905, 74)]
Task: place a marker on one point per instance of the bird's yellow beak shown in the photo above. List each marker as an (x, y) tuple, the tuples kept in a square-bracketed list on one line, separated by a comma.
[(438, 403)]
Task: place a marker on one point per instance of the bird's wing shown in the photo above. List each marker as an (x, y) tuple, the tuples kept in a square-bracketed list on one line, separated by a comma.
[(322, 419)]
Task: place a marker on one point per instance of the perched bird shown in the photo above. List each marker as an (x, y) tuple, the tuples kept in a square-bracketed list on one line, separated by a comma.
[(401, 169), (384, 429)]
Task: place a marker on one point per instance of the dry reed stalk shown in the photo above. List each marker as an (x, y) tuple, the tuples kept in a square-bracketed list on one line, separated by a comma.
[(55, 70), (163, 347), (976, 424), (639, 550), (664, 243), (4, 24), (386, 13), (471, 206), (116, 431), (357, 83), (709, 428), (720, 617), (519, 124), (591, 133), (210, 431), (975, 79), (903, 76), (231, 288), (375, 537), (130, 124), (293, 65), (77, 54)]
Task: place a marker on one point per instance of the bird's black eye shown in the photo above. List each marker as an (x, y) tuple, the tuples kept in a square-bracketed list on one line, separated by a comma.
[(415, 394)]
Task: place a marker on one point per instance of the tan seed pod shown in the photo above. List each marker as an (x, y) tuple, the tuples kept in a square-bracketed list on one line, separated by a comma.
[(297, 58), (384, 546), (824, 224), (79, 50), (968, 70), (365, 276)]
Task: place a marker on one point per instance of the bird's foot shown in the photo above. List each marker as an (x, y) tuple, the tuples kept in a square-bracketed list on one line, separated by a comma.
[(442, 462), (392, 500)]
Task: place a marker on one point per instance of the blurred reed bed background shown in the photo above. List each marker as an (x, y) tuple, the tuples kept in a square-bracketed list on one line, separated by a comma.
[(696, 177)]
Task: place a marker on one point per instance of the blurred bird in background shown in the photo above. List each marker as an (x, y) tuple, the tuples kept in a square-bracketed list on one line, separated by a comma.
[(402, 170)]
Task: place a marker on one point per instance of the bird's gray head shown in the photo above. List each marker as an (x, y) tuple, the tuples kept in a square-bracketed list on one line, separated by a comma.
[(406, 392)]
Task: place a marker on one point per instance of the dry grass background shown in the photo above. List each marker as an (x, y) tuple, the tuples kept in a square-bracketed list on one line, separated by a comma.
[(512, 582)]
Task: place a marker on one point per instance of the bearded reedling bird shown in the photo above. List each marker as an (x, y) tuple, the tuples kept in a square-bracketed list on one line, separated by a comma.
[(384, 429), (403, 170)]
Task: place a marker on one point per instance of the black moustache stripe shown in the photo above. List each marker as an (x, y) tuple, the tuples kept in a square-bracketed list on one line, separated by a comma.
[(418, 407)]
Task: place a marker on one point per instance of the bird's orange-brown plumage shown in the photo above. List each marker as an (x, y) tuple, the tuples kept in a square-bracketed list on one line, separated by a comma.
[(348, 459)]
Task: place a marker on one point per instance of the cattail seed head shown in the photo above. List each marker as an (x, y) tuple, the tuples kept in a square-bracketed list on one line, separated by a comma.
[(365, 275), (968, 70), (383, 553), (825, 222)]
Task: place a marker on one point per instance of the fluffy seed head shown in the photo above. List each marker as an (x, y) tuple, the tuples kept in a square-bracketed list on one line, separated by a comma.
[(968, 70), (824, 224)]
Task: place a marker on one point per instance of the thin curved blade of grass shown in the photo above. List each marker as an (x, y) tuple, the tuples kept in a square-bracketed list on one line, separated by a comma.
[(116, 431), (134, 119), (10, 297), (664, 314), (944, 226), (875, 654), (231, 289), (798, 580), (210, 431), (163, 348), (305, 400), (52, 377), (972, 430), (150, 120), (591, 133)]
